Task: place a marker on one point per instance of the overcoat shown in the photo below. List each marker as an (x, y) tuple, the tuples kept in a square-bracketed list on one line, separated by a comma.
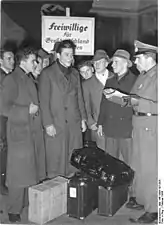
[(3, 135), (18, 92), (62, 105), (92, 91), (115, 119), (145, 153)]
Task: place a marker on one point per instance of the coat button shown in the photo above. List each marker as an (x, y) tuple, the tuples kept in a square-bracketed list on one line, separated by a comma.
[(65, 108), (66, 121)]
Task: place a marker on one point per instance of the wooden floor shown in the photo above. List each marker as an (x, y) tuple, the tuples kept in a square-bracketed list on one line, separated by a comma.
[(120, 218)]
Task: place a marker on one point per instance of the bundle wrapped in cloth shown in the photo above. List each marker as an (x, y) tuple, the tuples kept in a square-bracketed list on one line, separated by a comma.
[(109, 170)]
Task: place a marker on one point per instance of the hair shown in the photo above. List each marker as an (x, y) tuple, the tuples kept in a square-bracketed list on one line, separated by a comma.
[(24, 53), (2, 52), (9, 46), (84, 63), (65, 44)]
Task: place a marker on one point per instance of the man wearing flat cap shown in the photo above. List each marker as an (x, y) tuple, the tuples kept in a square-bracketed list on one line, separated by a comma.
[(92, 91), (145, 117), (115, 121)]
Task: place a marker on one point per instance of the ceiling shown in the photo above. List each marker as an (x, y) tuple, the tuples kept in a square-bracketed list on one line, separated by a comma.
[(123, 7)]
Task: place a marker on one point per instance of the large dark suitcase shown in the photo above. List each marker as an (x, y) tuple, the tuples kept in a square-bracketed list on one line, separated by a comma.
[(110, 199), (97, 163), (82, 195)]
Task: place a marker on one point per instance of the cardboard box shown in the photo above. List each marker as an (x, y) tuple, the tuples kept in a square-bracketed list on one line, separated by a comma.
[(48, 200)]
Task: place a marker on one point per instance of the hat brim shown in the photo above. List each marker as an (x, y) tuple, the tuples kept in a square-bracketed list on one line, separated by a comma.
[(99, 58), (144, 52), (128, 60)]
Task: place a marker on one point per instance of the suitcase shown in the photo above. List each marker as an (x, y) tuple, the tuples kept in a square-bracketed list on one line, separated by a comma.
[(82, 195), (97, 163), (110, 199), (48, 200)]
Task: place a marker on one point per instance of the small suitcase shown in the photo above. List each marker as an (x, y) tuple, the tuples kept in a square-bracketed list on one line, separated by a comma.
[(82, 195), (111, 199)]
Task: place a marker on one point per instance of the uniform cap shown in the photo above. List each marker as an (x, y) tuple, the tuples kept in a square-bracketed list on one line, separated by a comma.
[(142, 48)]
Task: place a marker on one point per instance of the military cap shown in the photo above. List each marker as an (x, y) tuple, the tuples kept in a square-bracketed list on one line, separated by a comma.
[(142, 48)]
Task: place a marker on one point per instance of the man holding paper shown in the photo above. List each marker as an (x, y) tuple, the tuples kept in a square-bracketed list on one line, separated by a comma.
[(145, 121), (114, 120)]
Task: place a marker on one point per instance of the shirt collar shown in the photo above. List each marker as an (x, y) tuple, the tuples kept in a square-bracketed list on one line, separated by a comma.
[(5, 70)]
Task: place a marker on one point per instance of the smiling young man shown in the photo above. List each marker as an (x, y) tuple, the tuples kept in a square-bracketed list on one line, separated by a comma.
[(63, 110)]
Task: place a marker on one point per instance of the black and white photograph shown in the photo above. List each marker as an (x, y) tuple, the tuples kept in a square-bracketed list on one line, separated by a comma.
[(79, 128)]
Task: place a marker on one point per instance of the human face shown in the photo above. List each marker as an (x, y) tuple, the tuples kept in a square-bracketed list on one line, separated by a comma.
[(100, 65), (39, 67), (141, 62), (30, 63), (8, 61), (86, 72), (66, 56), (46, 62), (119, 65)]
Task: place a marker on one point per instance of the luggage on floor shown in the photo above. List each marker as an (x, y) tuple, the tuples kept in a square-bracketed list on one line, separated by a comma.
[(110, 199), (82, 195), (48, 200), (97, 163)]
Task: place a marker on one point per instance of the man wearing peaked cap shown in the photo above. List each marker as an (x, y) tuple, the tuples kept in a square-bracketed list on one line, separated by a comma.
[(141, 48), (145, 117)]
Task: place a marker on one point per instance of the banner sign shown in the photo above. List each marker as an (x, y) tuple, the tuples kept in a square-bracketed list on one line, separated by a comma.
[(79, 29)]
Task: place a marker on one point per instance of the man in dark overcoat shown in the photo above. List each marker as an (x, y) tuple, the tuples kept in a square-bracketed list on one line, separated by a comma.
[(63, 110), (115, 121), (20, 105), (6, 66)]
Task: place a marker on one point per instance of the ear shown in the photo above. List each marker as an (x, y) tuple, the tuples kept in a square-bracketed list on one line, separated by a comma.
[(1, 61), (58, 55), (107, 63)]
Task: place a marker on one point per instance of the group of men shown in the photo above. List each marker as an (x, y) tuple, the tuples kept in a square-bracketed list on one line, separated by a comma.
[(45, 120)]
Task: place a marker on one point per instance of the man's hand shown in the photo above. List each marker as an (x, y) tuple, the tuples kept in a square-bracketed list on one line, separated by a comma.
[(93, 126), (83, 125), (51, 130), (33, 108), (100, 131)]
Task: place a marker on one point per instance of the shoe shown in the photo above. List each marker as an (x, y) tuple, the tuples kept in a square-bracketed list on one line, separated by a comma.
[(14, 217), (146, 218), (132, 204), (4, 190)]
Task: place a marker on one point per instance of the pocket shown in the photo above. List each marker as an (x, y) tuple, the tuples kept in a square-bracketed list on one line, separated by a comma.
[(19, 132)]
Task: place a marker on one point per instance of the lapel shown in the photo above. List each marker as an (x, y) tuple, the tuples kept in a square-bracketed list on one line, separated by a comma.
[(62, 82), (27, 84)]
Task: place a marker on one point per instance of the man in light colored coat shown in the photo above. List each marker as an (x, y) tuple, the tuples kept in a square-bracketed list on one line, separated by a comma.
[(92, 90)]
